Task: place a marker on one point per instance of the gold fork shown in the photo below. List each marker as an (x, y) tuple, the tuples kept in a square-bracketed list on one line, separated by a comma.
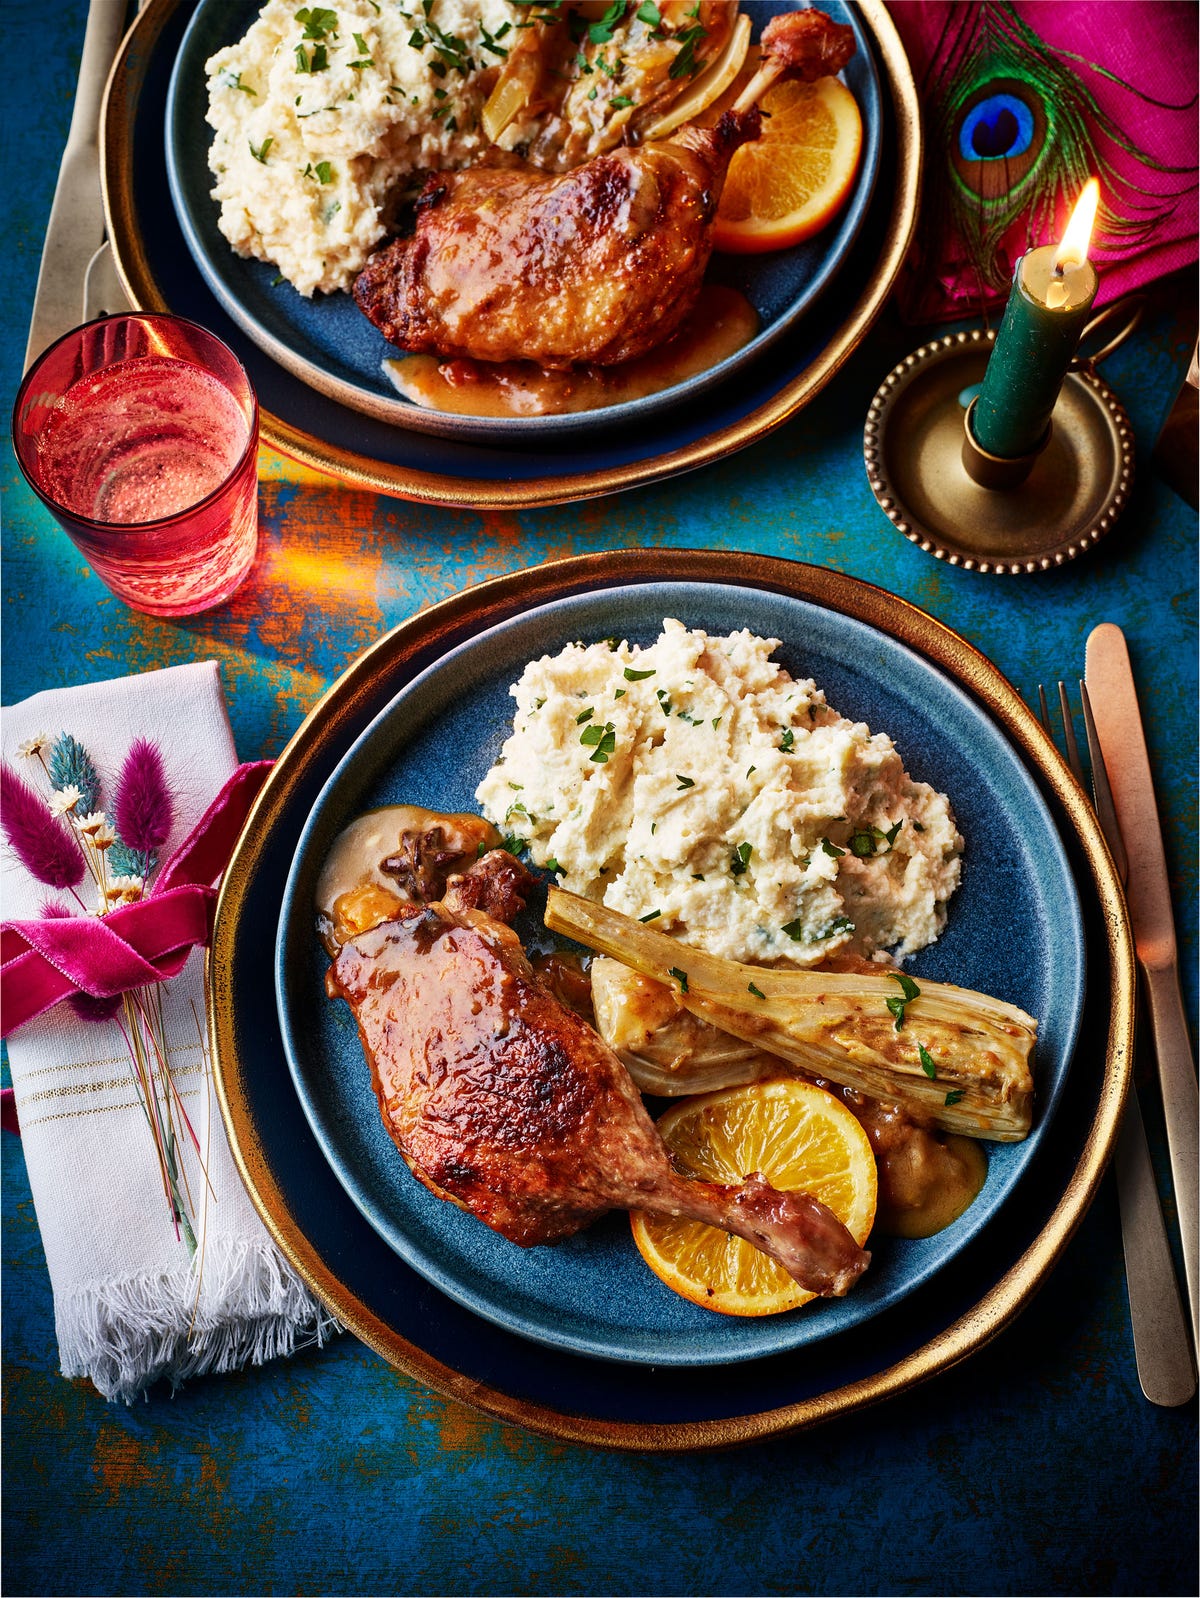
[(1161, 1343)]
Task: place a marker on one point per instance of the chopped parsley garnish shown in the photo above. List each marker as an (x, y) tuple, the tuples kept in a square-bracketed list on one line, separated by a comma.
[(307, 64), (318, 21), (831, 848), (866, 841), (910, 991), (601, 740), (684, 782), (638, 676), (261, 153), (621, 101), (584, 715), (653, 916), (927, 1064), (757, 992), (955, 1095), (916, 826), (513, 845), (360, 44), (680, 977), (741, 858), (788, 739), (750, 770), (489, 39), (233, 80), (601, 32), (649, 14), (553, 865), (685, 64), (618, 693), (276, 281), (716, 721), (832, 929)]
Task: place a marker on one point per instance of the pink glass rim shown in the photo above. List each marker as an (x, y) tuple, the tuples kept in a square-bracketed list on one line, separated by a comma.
[(159, 521)]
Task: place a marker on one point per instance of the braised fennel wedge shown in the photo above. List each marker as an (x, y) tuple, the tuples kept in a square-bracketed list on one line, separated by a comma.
[(954, 1059)]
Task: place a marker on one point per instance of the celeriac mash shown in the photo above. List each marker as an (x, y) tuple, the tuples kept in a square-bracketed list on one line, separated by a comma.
[(320, 111), (696, 785)]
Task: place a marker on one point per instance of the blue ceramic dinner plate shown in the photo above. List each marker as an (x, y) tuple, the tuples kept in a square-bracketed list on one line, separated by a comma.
[(328, 343), (1015, 930)]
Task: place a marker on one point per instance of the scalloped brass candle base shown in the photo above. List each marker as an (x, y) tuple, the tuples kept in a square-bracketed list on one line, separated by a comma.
[(998, 516)]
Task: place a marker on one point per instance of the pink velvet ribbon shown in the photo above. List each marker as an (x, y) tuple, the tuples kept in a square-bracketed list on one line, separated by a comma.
[(43, 962)]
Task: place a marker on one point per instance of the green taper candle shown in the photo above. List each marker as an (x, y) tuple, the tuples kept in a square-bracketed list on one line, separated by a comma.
[(1052, 295)]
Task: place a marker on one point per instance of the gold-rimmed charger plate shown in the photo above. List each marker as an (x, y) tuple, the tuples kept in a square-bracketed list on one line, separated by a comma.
[(158, 274), (567, 1396)]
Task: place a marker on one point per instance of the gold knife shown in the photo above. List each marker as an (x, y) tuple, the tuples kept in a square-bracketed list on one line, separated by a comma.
[(1162, 1347), (1118, 722)]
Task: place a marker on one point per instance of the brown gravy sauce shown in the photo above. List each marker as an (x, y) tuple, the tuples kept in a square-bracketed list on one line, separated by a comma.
[(926, 1178), (722, 323), (354, 893)]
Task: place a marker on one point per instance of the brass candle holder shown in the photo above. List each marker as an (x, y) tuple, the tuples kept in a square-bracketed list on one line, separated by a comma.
[(986, 513)]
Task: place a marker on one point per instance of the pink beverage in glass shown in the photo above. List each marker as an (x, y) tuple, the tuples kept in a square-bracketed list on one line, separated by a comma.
[(140, 433)]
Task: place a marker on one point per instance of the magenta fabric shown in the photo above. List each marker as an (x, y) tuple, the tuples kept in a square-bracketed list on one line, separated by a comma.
[(45, 961), (1138, 62)]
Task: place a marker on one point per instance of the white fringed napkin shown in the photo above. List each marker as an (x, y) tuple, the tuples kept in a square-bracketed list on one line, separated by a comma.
[(129, 1308)]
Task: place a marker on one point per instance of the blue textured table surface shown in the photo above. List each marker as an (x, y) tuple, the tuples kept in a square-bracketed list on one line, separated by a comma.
[(1034, 1467)]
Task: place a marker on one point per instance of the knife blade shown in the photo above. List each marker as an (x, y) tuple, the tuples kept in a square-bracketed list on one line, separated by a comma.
[(75, 230), (1114, 703)]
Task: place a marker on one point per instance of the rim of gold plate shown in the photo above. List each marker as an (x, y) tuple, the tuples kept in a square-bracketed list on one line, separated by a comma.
[(425, 637), (434, 488)]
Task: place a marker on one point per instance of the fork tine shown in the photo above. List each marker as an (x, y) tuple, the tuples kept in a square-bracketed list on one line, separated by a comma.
[(1105, 808), (1044, 711), (1068, 718)]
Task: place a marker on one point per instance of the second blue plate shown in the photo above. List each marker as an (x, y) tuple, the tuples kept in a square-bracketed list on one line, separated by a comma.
[(1015, 930)]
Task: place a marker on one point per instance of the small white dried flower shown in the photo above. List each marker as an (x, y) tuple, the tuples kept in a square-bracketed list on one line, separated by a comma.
[(64, 800), (33, 746), (126, 890), (92, 824)]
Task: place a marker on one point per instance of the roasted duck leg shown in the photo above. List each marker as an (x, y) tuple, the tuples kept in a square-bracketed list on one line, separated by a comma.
[(593, 266), (508, 1104)]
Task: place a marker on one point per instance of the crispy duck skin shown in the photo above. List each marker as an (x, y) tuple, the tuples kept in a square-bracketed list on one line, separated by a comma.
[(508, 1104), (594, 266)]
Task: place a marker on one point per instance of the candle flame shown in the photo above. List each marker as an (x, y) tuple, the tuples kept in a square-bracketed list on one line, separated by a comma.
[(1073, 250)]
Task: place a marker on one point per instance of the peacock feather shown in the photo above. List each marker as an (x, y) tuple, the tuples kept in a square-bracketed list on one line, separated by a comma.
[(1016, 133)]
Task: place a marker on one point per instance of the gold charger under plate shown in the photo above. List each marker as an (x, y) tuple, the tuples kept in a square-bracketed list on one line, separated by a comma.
[(419, 641), (145, 293)]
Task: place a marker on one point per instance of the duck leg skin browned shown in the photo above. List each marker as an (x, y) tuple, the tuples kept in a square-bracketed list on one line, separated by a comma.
[(596, 265), (508, 1104)]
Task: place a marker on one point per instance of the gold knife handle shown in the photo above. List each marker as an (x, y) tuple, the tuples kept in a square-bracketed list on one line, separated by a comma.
[(1160, 1338), (1181, 1108)]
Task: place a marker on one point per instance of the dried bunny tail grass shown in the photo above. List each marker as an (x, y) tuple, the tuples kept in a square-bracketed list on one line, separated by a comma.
[(41, 842), (144, 807)]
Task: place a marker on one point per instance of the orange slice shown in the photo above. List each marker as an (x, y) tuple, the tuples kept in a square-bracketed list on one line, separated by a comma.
[(799, 1137), (792, 181)]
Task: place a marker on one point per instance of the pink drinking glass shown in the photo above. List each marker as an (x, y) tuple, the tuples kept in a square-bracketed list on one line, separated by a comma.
[(139, 433)]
